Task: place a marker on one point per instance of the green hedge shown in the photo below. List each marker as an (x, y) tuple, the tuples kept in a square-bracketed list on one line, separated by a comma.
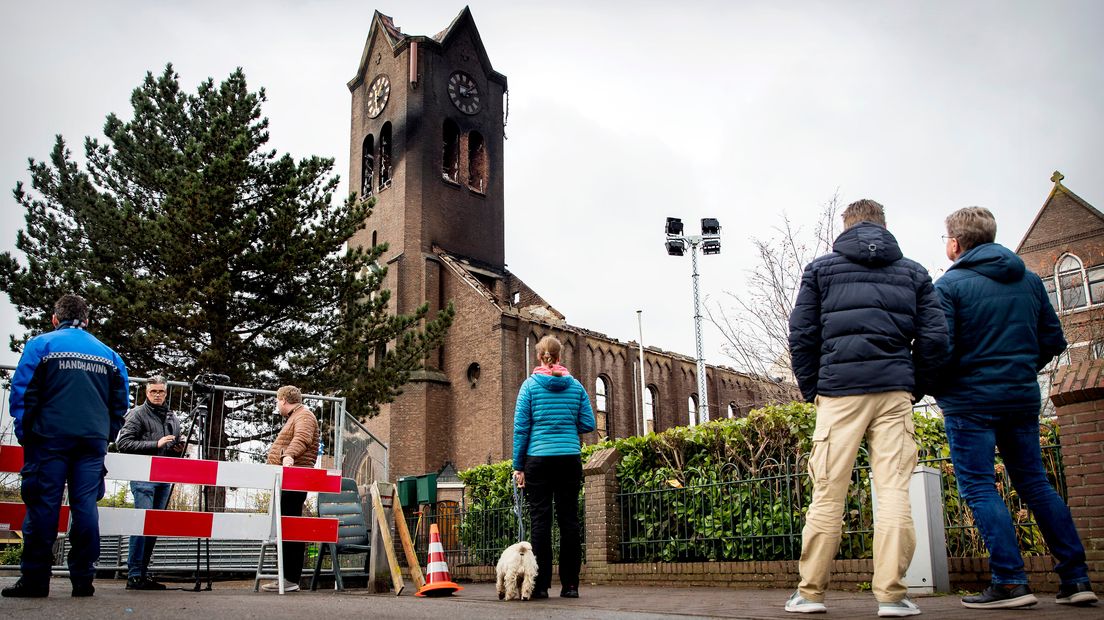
[(706, 513)]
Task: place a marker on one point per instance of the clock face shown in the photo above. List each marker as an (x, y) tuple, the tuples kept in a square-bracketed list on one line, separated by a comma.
[(378, 92), (464, 92)]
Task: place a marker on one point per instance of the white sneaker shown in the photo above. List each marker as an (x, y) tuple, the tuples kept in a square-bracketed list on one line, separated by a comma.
[(289, 586), (798, 605), (900, 609)]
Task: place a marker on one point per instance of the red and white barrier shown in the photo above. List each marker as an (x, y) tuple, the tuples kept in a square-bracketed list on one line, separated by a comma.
[(140, 468), (270, 526), (213, 525), (12, 514)]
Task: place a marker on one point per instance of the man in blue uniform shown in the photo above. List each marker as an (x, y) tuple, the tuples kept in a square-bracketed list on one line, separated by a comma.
[(69, 399)]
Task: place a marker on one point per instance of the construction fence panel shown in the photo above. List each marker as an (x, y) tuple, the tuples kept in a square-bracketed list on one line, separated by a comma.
[(230, 424)]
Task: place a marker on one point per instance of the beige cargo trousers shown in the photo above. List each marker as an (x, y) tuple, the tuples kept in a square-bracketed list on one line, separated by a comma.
[(885, 420)]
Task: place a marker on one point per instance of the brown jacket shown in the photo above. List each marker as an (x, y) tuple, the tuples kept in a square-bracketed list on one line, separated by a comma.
[(298, 439)]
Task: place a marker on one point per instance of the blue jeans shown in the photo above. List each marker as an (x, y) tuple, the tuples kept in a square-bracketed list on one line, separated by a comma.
[(47, 469), (147, 495), (972, 438)]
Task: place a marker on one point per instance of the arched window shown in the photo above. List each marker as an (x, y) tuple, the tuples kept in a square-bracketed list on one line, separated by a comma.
[(650, 398), (385, 166), (1069, 274), (367, 165), (601, 406), (692, 406), (733, 410), (450, 157), (477, 162)]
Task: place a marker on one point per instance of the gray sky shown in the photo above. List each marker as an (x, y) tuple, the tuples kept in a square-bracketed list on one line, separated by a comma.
[(621, 114)]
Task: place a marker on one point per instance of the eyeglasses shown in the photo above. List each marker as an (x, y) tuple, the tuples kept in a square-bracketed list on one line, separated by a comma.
[(946, 238), (158, 391)]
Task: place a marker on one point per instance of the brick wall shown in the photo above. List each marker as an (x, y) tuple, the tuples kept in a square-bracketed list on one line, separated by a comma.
[(1078, 396)]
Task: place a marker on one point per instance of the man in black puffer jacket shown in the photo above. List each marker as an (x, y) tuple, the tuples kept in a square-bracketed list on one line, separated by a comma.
[(151, 429), (867, 335)]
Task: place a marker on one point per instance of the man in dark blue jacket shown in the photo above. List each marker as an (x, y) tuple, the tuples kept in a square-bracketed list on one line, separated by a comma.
[(866, 337), (1003, 332), (69, 399)]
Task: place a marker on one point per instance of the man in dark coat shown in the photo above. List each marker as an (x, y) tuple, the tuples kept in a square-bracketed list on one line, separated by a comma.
[(866, 336), (151, 429), (1003, 332)]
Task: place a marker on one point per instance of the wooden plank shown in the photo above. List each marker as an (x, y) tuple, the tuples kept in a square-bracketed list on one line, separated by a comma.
[(388, 544), (407, 544)]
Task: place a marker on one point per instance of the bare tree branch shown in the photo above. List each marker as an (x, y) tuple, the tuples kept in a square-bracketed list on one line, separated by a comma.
[(755, 322)]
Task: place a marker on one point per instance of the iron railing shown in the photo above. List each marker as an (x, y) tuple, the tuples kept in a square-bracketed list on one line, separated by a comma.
[(760, 518), (476, 536)]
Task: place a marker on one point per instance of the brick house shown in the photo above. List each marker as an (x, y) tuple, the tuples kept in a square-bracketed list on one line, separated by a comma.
[(427, 138), (1065, 246)]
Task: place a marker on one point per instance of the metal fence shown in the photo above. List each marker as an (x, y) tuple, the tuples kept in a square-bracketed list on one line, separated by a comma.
[(761, 518), (235, 424), (476, 536)]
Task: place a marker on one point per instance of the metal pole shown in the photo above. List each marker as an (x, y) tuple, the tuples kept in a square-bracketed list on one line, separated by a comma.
[(703, 397), (339, 440), (643, 385)]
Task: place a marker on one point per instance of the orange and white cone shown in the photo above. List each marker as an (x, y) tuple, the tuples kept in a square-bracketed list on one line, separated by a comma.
[(438, 582)]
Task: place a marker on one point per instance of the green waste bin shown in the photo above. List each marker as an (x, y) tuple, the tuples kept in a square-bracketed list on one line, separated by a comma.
[(407, 488), (427, 488)]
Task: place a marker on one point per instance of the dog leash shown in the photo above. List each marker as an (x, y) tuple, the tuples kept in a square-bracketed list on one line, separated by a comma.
[(517, 511)]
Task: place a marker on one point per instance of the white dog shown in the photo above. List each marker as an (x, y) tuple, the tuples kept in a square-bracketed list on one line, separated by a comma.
[(516, 572)]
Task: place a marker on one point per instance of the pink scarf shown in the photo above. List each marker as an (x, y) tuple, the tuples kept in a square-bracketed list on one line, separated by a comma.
[(555, 370)]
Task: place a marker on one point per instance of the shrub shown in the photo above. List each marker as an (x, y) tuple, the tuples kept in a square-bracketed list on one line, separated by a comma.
[(11, 555)]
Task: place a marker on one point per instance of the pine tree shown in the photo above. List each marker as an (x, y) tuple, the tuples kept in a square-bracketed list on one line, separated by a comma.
[(200, 251)]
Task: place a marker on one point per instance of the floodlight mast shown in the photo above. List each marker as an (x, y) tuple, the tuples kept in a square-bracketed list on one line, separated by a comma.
[(710, 243)]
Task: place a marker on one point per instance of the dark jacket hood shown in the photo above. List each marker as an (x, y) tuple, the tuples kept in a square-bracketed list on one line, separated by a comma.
[(869, 244), (993, 261), (553, 384)]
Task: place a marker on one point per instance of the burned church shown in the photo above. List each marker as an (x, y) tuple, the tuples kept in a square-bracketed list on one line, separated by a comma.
[(427, 142)]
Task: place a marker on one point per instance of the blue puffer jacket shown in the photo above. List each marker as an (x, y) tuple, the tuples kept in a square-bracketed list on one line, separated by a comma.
[(1003, 331), (68, 384), (550, 414), (866, 320)]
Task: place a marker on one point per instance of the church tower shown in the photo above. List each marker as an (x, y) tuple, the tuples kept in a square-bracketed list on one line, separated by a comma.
[(427, 143)]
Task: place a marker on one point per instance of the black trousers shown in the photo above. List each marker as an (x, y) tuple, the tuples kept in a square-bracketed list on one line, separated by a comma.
[(554, 481), (291, 505)]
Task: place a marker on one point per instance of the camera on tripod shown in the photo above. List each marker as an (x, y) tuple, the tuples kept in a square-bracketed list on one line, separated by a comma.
[(206, 383)]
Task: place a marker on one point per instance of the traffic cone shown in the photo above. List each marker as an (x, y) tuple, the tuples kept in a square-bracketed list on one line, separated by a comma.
[(438, 582)]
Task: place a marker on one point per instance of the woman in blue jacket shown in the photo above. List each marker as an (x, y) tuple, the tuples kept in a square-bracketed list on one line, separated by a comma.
[(553, 409)]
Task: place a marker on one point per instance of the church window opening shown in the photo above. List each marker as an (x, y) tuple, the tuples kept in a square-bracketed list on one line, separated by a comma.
[(477, 162), (1069, 275), (601, 402), (650, 398), (385, 166), (367, 165), (450, 158), (733, 410), (1052, 293), (692, 409), (1096, 284), (473, 373), (1098, 350)]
